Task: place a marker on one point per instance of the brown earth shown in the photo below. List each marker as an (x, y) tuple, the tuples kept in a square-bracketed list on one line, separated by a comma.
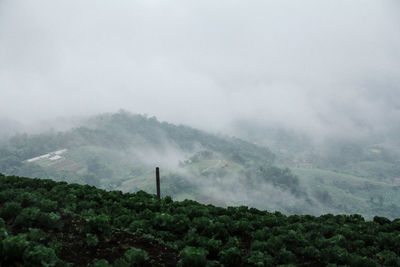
[(75, 250)]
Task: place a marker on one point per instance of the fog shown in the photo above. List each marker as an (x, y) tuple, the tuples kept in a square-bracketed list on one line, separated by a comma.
[(320, 67)]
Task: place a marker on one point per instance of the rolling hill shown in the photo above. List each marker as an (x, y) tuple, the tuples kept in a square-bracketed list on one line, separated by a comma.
[(121, 150)]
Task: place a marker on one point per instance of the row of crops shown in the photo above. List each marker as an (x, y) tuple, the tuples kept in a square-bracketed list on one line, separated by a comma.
[(42, 221)]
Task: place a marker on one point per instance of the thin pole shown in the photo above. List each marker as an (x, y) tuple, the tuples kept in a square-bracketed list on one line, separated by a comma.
[(158, 182)]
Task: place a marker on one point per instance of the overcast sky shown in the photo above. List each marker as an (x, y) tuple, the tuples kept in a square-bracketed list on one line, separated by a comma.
[(322, 66)]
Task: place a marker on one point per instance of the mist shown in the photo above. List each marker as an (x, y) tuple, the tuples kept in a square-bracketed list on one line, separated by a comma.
[(319, 67)]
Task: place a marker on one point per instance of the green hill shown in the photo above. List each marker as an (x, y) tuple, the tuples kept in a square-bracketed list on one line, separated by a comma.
[(48, 223), (121, 150), (343, 174)]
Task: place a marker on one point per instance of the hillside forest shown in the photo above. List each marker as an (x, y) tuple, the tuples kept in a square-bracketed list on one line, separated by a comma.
[(277, 171)]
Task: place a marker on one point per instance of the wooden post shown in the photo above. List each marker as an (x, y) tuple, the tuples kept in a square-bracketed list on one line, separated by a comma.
[(158, 182)]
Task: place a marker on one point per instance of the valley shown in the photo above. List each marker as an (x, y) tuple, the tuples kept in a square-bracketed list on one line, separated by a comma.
[(120, 152)]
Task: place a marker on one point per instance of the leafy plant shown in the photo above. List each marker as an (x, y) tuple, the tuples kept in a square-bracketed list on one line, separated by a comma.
[(205, 234), (36, 234), (92, 240), (101, 263), (230, 257), (10, 210), (121, 262), (14, 247), (100, 224), (193, 257), (40, 256), (136, 256), (258, 258), (3, 230)]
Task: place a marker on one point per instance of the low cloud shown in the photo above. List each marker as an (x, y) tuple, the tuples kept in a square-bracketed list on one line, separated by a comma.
[(320, 67)]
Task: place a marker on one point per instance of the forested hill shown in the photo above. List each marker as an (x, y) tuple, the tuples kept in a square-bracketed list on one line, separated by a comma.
[(121, 150), (47, 223), (123, 131)]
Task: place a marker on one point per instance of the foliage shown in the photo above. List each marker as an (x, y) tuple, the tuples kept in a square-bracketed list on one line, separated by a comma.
[(204, 234), (36, 234), (41, 256), (13, 247), (230, 257), (100, 224), (193, 257), (92, 240), (136, 256), (101, 263)]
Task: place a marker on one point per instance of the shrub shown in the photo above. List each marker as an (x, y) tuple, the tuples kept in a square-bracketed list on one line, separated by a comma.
[(26, 199), (213, 246), (181, 224), (100, 224), (257, 258), (101, 263), (309, 252), (335, 254), (138, 226), (40, 256), (241, 226), (193, 257), (274, 244), (6, 195), (136, 256), (50, 220), (27, 217), (381, 220), (168, 199), (3, 230), (123, 221), (218, 231), (192, 238), (47, 205), (120, 262), (358, 261), (285, 256), (201, 223), (389, 258), (262, 234), (92, 240), (14, 247), (36, 234), (10, 210), (232, 242), (230, 257), (163, 221)]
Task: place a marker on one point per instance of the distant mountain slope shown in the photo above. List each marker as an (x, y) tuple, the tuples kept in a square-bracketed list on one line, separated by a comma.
[(351, 174), (123, 131), (121, 150), (8, 128)]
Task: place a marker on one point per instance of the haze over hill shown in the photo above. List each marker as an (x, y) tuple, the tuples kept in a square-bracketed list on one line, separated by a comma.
[(120, 151), (319, 67)]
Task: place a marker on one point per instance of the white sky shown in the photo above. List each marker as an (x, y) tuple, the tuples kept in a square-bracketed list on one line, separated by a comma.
[(322, 66)]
